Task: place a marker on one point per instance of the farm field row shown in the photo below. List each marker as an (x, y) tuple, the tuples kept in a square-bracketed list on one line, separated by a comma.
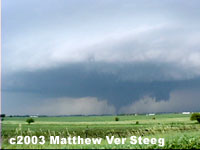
[(175, 128)]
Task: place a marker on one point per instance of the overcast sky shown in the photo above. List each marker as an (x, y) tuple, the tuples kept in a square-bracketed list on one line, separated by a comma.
[(100, 56)]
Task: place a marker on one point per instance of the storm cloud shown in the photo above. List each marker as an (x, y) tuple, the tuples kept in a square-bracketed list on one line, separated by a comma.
[(111, 53), (179, 101)]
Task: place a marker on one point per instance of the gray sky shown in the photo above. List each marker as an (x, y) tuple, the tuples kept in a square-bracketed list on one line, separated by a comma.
[(100, 57)]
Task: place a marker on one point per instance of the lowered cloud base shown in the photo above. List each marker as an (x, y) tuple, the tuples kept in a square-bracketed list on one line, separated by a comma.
[(180, 100)]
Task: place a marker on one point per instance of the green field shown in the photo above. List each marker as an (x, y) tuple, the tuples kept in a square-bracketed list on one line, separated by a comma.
[(177, 129)]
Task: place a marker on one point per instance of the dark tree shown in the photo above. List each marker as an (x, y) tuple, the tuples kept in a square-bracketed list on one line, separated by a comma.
[(195, 116), (30, 120), (2, 116), (116, 119)]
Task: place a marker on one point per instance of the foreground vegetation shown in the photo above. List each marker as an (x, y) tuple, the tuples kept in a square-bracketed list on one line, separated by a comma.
[(177, 129)]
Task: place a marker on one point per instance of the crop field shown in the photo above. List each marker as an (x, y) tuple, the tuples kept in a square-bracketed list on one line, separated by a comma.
[(177, 130)]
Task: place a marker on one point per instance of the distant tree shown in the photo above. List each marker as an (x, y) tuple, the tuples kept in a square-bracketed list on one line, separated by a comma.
[(154, 118), (30, 120), (195, 116), (2, 116), (137, 122), (116, 119)]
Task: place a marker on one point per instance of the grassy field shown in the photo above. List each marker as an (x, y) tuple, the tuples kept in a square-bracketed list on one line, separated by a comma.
[(177, 129)]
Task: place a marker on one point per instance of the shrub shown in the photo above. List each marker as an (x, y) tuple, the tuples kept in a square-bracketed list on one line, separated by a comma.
[(154, 118), (116, 119), (30, 120), (2, 115), (137, 122), (195, 116)]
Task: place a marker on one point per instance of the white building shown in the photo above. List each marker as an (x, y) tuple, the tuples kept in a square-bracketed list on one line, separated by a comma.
[(150, 114), (34, 116), (186, 113)]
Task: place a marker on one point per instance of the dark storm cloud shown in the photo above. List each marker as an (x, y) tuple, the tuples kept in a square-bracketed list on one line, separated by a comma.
[(179, 101), (85, 80), (108, 52)]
